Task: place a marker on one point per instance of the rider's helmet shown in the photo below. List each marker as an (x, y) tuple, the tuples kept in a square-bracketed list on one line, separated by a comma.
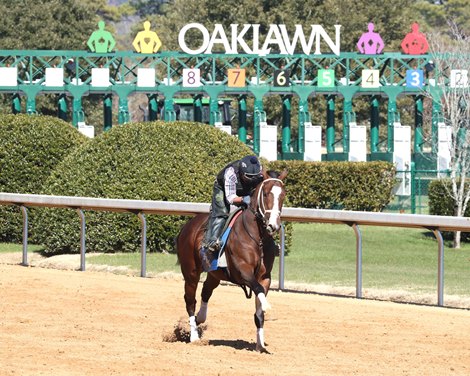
[(250, 170)]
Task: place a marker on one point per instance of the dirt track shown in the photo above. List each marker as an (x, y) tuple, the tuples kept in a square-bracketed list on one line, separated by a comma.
[(56, 322)]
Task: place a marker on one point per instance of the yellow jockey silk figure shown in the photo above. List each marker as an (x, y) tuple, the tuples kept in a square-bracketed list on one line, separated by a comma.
[(147, 41)]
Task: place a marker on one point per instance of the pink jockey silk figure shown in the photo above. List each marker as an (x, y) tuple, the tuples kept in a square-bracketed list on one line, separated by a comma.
[(370, 43), (415, 43)]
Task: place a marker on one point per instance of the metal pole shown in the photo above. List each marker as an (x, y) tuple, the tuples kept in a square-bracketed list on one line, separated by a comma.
[(440, 267), (143, 245), (82, 239), (24, 211), (357, 231), (281, 257)]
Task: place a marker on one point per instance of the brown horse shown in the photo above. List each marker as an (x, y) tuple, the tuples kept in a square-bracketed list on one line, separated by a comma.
[(250, 252)]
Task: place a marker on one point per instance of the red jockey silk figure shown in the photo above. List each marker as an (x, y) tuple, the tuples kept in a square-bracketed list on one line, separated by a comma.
[(415, 43)]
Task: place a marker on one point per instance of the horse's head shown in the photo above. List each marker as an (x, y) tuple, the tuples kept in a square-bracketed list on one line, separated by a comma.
[(269, 195)]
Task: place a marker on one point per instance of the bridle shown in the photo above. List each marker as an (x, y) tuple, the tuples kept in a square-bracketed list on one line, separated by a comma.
[(261, 206)]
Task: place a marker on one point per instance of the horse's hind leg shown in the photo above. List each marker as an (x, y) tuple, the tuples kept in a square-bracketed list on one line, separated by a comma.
[(210, 284), (190, 287)]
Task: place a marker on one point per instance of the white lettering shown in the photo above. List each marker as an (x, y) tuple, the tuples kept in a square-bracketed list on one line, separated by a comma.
[(237, 39), (218, 36), (320, 32), (298, 35), (256, 39), (277, 35), (182, 40), (274, 37)]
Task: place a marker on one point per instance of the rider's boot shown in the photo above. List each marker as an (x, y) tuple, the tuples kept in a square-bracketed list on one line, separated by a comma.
[(216, 230)]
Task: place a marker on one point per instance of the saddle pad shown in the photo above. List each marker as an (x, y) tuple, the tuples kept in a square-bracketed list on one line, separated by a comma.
[(221, 259)]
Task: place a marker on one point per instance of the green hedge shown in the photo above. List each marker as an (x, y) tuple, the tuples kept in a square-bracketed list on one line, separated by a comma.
[(30, 148), (167, 161), (363, 186), (441, 202), (143, 161)]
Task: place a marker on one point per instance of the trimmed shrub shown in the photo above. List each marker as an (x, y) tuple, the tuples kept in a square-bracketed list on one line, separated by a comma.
[(441, 203), (174, 161), (30, 148), (363, 186)]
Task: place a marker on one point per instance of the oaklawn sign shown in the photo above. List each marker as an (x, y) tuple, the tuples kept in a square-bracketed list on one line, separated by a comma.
[(277, 38)]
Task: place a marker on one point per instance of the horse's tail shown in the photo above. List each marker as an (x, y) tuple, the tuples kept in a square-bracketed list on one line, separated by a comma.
[(175, 240)]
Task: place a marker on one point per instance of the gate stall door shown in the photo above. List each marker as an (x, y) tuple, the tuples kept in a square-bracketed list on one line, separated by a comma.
[(312, 142), (444, 137), (357, 143), (268, 141), (402, 158)]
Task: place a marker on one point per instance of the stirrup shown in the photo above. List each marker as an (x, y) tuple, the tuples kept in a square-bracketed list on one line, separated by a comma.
[(208, 261)]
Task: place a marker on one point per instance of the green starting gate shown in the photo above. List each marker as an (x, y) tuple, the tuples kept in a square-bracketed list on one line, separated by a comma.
[(164, 76)]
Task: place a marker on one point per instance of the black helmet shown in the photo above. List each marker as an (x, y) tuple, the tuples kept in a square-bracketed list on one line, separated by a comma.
[(250, 168)]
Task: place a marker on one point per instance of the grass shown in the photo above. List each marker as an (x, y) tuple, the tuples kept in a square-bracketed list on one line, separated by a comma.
[(12, 247), (393, 259)]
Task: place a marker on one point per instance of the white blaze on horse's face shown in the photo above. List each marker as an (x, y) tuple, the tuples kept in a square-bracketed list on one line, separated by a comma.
[(270, 204), (275, 216)]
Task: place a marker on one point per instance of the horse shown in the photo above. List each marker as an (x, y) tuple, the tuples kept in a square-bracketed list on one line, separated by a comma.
[(250, 252)]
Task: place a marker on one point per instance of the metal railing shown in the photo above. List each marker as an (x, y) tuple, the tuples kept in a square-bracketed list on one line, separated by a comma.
[(436, 224)]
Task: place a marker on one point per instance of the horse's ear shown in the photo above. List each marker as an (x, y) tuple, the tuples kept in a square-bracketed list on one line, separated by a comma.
[(265, 174), (283, 174)]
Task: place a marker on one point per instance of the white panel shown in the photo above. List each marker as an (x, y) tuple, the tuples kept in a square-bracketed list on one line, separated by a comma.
[(87, 130), (402, 158), (312, 148), (268, 141), (459, 78), (191, 77), (100, 77), (357, 143), (224, 128), (8, 76), (146, 77), (54, 77), (370, 78), (444, 137)]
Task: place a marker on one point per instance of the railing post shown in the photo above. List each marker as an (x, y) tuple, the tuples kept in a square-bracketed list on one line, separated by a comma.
[(24, 211), (82, 239), (281, 257), (143, 245), (440, 267), (357, 231)]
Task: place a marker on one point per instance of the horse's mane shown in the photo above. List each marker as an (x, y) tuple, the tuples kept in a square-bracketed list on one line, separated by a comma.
[(273, 174)]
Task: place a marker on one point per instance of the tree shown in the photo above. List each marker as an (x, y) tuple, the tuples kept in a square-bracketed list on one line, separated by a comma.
[(451, 52), (49, 25)]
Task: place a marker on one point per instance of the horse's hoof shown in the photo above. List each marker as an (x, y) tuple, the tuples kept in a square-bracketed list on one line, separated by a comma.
[(194, 337), (262, 350)]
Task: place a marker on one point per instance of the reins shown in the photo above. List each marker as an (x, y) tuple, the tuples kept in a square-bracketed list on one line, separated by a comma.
[(260, 211)]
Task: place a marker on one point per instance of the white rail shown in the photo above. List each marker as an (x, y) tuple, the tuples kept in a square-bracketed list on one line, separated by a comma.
[(141, 208)]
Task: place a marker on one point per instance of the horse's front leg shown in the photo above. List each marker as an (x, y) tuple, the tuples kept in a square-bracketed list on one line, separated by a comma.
[(259, 322), (210, 284)]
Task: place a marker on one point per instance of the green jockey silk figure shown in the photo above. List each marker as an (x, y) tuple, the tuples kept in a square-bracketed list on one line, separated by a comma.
[(101, 41)]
